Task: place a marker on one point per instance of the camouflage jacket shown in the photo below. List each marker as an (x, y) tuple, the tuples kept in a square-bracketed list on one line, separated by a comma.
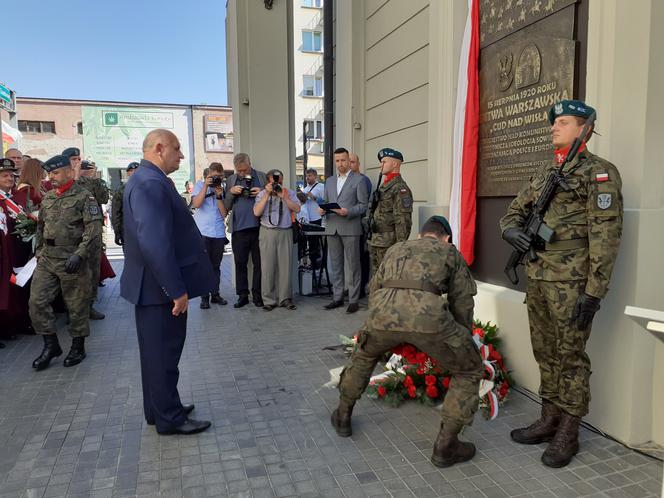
[(116, 210), (410, 310), (68, 223), (592, 209), (392, 219), (96, 186)]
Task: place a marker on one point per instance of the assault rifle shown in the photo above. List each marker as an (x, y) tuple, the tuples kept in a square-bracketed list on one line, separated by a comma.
[(375, 199), (534, 227)]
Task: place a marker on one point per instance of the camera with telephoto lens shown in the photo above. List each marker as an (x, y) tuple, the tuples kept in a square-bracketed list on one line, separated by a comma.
[(246, 186), (276, 176)]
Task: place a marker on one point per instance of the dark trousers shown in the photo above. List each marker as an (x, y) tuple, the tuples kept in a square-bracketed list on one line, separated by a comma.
[(215, 250), (313, 244), (365, 265), (160, 341), (245, 243)]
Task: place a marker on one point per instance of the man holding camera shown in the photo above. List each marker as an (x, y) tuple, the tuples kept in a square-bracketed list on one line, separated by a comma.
[(243, 187), (310, 196), (275, 206), (208, 200)]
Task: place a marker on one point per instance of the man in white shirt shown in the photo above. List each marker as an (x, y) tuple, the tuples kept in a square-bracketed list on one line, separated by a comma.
[(310, 196)]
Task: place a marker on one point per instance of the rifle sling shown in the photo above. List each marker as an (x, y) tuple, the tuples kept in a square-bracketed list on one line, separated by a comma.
[(412, 285)]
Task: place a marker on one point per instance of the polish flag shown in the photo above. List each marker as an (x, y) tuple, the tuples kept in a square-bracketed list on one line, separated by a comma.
[(463, 199)]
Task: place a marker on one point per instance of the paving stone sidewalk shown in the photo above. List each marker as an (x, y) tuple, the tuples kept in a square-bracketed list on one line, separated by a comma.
[(262, 378)]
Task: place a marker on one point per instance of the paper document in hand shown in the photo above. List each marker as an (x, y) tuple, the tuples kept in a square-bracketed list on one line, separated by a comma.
[(24, 274)]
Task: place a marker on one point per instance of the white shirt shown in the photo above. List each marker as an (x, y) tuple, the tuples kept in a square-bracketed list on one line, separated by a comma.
[(341, 179), (311, 206)]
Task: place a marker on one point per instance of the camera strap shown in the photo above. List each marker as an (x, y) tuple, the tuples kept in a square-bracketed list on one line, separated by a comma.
[(269, 211)]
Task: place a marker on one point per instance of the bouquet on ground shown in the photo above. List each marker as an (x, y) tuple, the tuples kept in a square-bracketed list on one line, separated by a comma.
[(413, 374)]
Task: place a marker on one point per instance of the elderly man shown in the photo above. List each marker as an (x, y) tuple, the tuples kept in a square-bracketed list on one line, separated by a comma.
[(16, 156), (344, 228), (243, 187), (165, 266), (8, 315), (69, 223)]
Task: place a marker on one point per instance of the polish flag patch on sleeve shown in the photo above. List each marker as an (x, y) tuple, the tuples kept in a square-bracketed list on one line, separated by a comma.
[(602, 177)]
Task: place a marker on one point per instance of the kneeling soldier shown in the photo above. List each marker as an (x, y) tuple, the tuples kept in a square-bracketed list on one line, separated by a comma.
[(407, 305), (69, 222)]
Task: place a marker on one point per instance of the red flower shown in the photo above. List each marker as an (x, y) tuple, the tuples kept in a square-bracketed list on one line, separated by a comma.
[(432, 391), (446, 382), (408, 351), (420, 371), (408, 381), (430, 380), (478, 332), (382, 391), (398, 350), (412, 391), (504, 388), (421, 358)]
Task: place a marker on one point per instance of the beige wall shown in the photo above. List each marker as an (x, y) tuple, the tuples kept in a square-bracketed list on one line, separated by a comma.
[(46, 145), (408, 53), (202, 159)]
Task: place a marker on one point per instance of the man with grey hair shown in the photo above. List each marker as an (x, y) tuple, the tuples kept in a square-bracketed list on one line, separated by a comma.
[(16, 156), (243, 187)]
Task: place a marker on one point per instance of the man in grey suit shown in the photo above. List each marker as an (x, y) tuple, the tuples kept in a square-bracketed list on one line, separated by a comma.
[(343, 230)]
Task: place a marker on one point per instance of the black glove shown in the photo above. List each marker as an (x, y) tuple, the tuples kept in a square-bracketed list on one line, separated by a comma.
[(584, 310), (517, 238), (118, 239), (73, 264)]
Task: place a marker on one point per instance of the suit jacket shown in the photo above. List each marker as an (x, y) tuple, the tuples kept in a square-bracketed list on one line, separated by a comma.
[(354, 197), (164, 251)]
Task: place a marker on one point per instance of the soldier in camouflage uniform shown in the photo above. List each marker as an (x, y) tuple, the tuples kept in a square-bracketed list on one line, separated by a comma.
[(69, 222), (116, 207), (568, 279), (407, 304), (391, 219), (99, 190)]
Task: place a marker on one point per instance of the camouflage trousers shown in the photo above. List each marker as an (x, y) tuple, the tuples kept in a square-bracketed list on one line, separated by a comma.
[(92, 268), (559, 346), (377, 255), (48, 280), (454, 350)]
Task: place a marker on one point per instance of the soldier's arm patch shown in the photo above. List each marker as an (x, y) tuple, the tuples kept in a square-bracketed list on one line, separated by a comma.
[(406, 198), (93, 208)]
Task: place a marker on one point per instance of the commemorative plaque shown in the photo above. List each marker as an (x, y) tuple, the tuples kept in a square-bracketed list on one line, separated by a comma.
[(527, 62)]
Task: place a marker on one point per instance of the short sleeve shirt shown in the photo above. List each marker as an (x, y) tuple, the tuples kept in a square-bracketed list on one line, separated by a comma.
[(276, 213), (208, 217)]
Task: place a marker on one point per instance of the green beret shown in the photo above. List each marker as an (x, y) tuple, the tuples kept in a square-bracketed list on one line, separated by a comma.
[(387, 152), (56, 162), (131, 166), (443, 221), (570, 108), (71, 151), (7, 165)]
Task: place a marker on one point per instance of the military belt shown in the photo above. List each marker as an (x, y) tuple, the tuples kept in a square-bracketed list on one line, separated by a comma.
[(69, 243), (565, 245), (411, 284)]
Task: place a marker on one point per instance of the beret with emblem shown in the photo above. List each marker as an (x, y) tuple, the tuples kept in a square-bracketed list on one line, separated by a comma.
[(7, 165), (71, 151), (443, 221), (87, 165), (387, 152), (56, 162), (131, 166), (570, 108)]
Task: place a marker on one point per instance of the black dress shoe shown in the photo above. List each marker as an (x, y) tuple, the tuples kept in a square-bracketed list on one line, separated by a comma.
[(187, 410), (189, 427), (242, 301), (217, 299), (258, 301), (205, 302), (334, 304), (352, 308)]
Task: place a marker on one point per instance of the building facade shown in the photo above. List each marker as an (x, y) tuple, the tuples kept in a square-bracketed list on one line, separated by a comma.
[(111, 133), (395, 80)]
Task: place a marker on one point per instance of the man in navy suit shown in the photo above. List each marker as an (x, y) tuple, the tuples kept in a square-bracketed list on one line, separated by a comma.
[(165, 266)]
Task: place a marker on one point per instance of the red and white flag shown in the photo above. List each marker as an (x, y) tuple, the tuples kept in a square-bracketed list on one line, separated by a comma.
[(463, 199)]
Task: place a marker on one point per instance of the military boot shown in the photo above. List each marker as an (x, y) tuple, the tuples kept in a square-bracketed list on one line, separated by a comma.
[(96, 315), (51, 350), (565, 444), (76, 353), (448, 450), (341, 419), (542, 430)]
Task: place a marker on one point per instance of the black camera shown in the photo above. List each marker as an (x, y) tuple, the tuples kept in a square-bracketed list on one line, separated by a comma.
[(276, 187), (246, 186), (217, 181)]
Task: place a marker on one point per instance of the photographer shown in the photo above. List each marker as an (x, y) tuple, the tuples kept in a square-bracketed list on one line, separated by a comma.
[(275, 206), (242, 189), (310, 196), (207, 198)]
